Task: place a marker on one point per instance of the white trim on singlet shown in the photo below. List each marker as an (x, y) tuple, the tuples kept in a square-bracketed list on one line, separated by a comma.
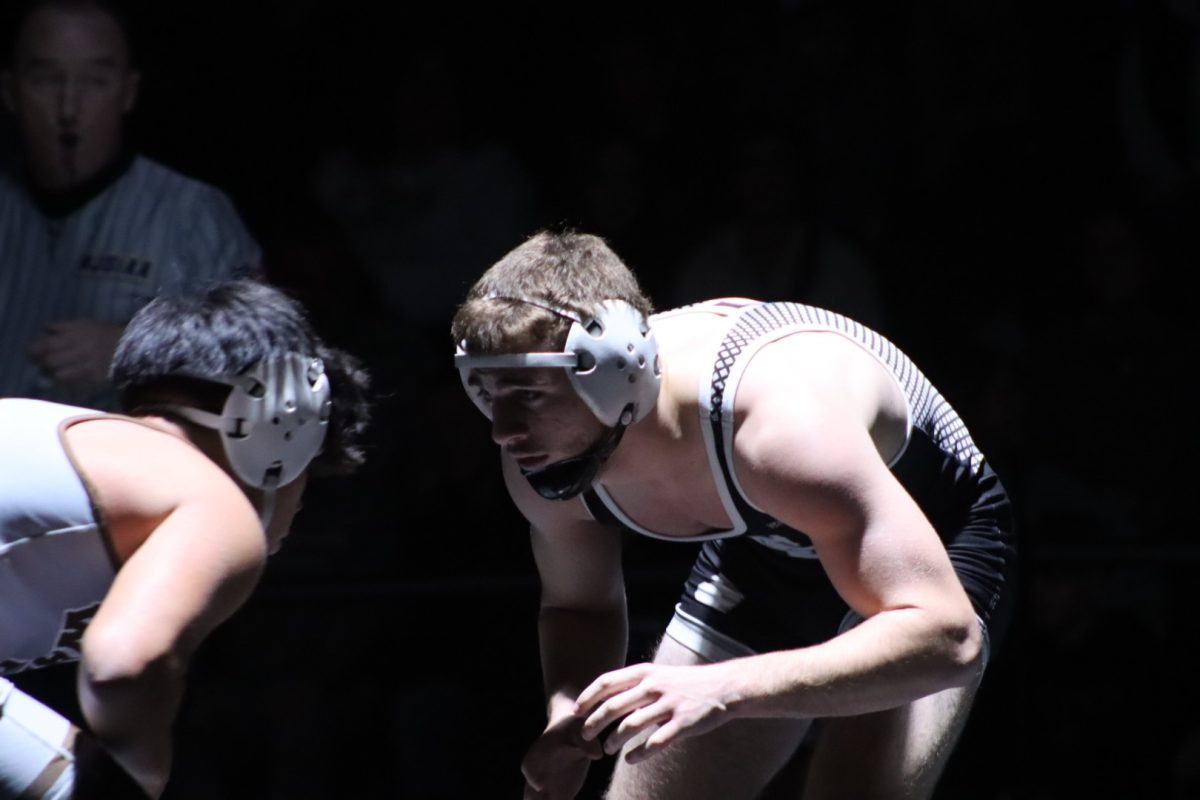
[(744, 358), (704, 640), (50, 538), (628, 522), (739, 524), (728, 309)]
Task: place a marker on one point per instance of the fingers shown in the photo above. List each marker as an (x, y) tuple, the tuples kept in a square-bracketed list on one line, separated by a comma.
[(641, 723), (557, 764), (591, 749), (606, 686), (70, 357), (39, 349), (533, 779), (655, 742), (532, 793), (614, 709), (564, 784)]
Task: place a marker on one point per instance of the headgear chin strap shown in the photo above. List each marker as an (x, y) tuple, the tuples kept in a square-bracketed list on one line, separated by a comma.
[(612, 361), (565, 479), (273, 423)]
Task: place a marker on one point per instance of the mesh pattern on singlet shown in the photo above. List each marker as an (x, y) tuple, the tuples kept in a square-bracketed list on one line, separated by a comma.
[(928, 409)]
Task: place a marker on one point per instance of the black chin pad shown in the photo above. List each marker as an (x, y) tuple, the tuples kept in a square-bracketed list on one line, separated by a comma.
[(565, 479)]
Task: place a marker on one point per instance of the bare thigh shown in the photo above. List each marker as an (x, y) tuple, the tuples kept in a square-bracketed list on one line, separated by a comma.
[(732, 762), (895, 754)]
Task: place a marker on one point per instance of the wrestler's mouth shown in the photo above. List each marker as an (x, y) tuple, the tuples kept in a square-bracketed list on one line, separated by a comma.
[(527, 461)]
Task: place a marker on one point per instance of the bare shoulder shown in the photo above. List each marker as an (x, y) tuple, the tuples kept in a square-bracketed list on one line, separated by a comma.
[(806, 411), (818, 360), (687, 341), (688, 329), (139, 476), (822, 377), (815, 419)]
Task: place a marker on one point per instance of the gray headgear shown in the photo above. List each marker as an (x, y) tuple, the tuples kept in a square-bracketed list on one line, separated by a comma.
[(611, 359), (274, 421)]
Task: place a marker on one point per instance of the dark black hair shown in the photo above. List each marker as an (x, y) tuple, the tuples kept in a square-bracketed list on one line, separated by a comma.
[(224, 331)]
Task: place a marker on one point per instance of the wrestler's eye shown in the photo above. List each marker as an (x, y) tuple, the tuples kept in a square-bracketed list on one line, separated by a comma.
[(43, 78), (530, 395)]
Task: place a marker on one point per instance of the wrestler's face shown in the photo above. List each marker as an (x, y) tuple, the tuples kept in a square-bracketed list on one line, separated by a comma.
[(287, 505), (537, 418), (70, 85)]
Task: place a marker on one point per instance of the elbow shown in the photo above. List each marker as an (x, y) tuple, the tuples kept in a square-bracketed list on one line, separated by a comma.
[(111, 662), (963, 649)]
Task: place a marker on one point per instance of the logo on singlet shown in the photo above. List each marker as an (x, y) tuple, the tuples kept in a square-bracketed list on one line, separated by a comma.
[(65, 650)]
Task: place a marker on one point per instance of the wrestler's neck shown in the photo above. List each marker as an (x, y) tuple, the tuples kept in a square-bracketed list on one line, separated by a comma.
[(654, 445), (203, 439)]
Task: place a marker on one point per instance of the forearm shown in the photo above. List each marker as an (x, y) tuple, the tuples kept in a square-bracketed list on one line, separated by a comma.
[(886, 661), (131, 715), (576, 646)]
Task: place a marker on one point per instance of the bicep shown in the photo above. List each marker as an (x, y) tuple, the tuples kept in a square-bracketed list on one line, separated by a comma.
[(193, 571), (827, 479)]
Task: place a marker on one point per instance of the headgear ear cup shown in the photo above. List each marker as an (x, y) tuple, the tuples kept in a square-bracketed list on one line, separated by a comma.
[(611, 359), (274, 420), (618, 374)]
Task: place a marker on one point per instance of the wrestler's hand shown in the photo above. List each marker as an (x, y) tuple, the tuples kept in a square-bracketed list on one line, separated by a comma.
[(557, 763), (76, 354), (656, 704)]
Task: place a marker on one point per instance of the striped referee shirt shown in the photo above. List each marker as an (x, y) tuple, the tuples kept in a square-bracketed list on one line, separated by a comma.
[(149, 231)]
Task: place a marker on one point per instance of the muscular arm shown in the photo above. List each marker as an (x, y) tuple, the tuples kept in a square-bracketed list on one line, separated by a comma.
[(576, 646), (582, 630), (195, 568), (582, 624), (804, 453), (807, 458)]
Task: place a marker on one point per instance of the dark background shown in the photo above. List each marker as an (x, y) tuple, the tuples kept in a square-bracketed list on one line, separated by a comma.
[(1019, 177)]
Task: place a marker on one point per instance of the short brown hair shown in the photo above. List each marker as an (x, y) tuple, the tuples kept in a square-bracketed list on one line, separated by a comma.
[(568, 270)]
